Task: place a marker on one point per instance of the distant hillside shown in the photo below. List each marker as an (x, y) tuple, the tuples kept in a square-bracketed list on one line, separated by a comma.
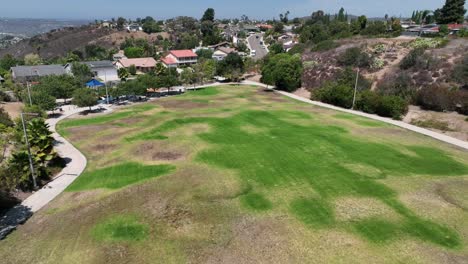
[(59, 42), (30, 27)]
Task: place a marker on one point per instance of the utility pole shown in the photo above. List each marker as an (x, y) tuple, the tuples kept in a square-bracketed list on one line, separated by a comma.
[(105, 85), (31, 165), (355, 89), (28, 85)]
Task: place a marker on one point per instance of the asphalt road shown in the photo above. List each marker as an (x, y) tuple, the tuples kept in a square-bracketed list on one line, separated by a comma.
[(254, 43)]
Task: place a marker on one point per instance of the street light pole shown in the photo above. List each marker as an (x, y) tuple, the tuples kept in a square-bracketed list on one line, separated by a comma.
[(355, 89), (31, 165), (29, 93)]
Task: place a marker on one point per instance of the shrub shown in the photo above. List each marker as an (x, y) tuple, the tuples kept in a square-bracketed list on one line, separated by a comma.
[(297, 49), (427, 43), (335, 94), (354, 57), (5, 118), (437, 98), (283, 70), (460, 72), (4, 97), (379, 48), (392, 106), (461, 102), (368, 101), (401, 85), (325, 45), (411, 59), (377, 64)]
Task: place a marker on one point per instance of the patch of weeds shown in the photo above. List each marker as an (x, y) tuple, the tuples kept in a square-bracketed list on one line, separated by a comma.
[(118, 176), (256, 202), (121, 228), (432, 123)]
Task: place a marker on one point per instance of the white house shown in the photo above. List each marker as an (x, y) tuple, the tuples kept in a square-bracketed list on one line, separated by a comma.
[(103, 70)]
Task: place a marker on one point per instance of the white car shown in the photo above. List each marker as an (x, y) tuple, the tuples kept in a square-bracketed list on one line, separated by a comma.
[(253, 53)]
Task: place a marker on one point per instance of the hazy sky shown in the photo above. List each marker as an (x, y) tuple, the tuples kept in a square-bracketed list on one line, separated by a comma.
[(91, 9)]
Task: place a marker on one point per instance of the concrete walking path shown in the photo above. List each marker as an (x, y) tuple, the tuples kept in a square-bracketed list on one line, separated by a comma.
[(76, 163), (420, 130)]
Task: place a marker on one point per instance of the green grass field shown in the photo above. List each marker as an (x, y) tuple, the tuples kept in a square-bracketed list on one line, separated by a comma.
[(217, 175)]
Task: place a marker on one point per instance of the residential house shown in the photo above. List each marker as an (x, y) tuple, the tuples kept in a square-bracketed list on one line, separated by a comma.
[(221, 53), (134, 27), (177, 58), (23, 74), (119, 55), (103, 70), (143, 65)]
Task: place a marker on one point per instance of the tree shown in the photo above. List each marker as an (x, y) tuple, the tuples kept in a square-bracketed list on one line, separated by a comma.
[(41, 142), (123, 73), (204, 53), (84, 97), (95, 51), (9, 61), (151, 26), (284, 17), (32, 59), (283, 70), (341, 15), (209, 15), (232, 62), (82, 72), (134, 52), (58, 86), (132, 70), (276, 48), (452, 12), (120, 23), (188, 76), (43, 100)]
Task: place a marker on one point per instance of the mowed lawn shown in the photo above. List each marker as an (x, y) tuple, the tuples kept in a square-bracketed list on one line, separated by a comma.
[(235, 174)]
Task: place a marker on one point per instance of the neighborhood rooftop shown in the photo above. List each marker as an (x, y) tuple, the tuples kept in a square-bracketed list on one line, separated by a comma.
[(38, 70), (138, 62), (183, 53)]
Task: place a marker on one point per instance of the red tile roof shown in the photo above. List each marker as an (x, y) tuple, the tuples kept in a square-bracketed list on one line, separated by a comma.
[(183, 53), (168, 60)]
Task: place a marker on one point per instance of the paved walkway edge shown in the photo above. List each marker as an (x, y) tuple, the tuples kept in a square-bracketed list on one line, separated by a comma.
[(420, 130), (75, 166)]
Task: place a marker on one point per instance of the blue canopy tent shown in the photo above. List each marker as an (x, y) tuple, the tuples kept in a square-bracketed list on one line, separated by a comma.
[(94, 83)]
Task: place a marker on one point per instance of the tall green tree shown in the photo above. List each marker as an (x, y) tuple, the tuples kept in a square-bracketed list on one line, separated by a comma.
[(85, 97), (452, 12), (209, 15), (283, 70)]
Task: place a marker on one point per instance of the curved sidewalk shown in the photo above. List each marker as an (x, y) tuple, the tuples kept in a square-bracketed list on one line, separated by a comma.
[(420, 130), (76, 163)]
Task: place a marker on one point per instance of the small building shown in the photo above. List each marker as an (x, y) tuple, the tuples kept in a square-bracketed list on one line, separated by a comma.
[(102, 70), (177, 58), (220, 53), (143, 65), (134, 28), (23, 74), (119, 56)]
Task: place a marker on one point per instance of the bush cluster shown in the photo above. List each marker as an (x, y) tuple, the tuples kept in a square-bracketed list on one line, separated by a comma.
[(443, 98), (341, 93), (355, 57)]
